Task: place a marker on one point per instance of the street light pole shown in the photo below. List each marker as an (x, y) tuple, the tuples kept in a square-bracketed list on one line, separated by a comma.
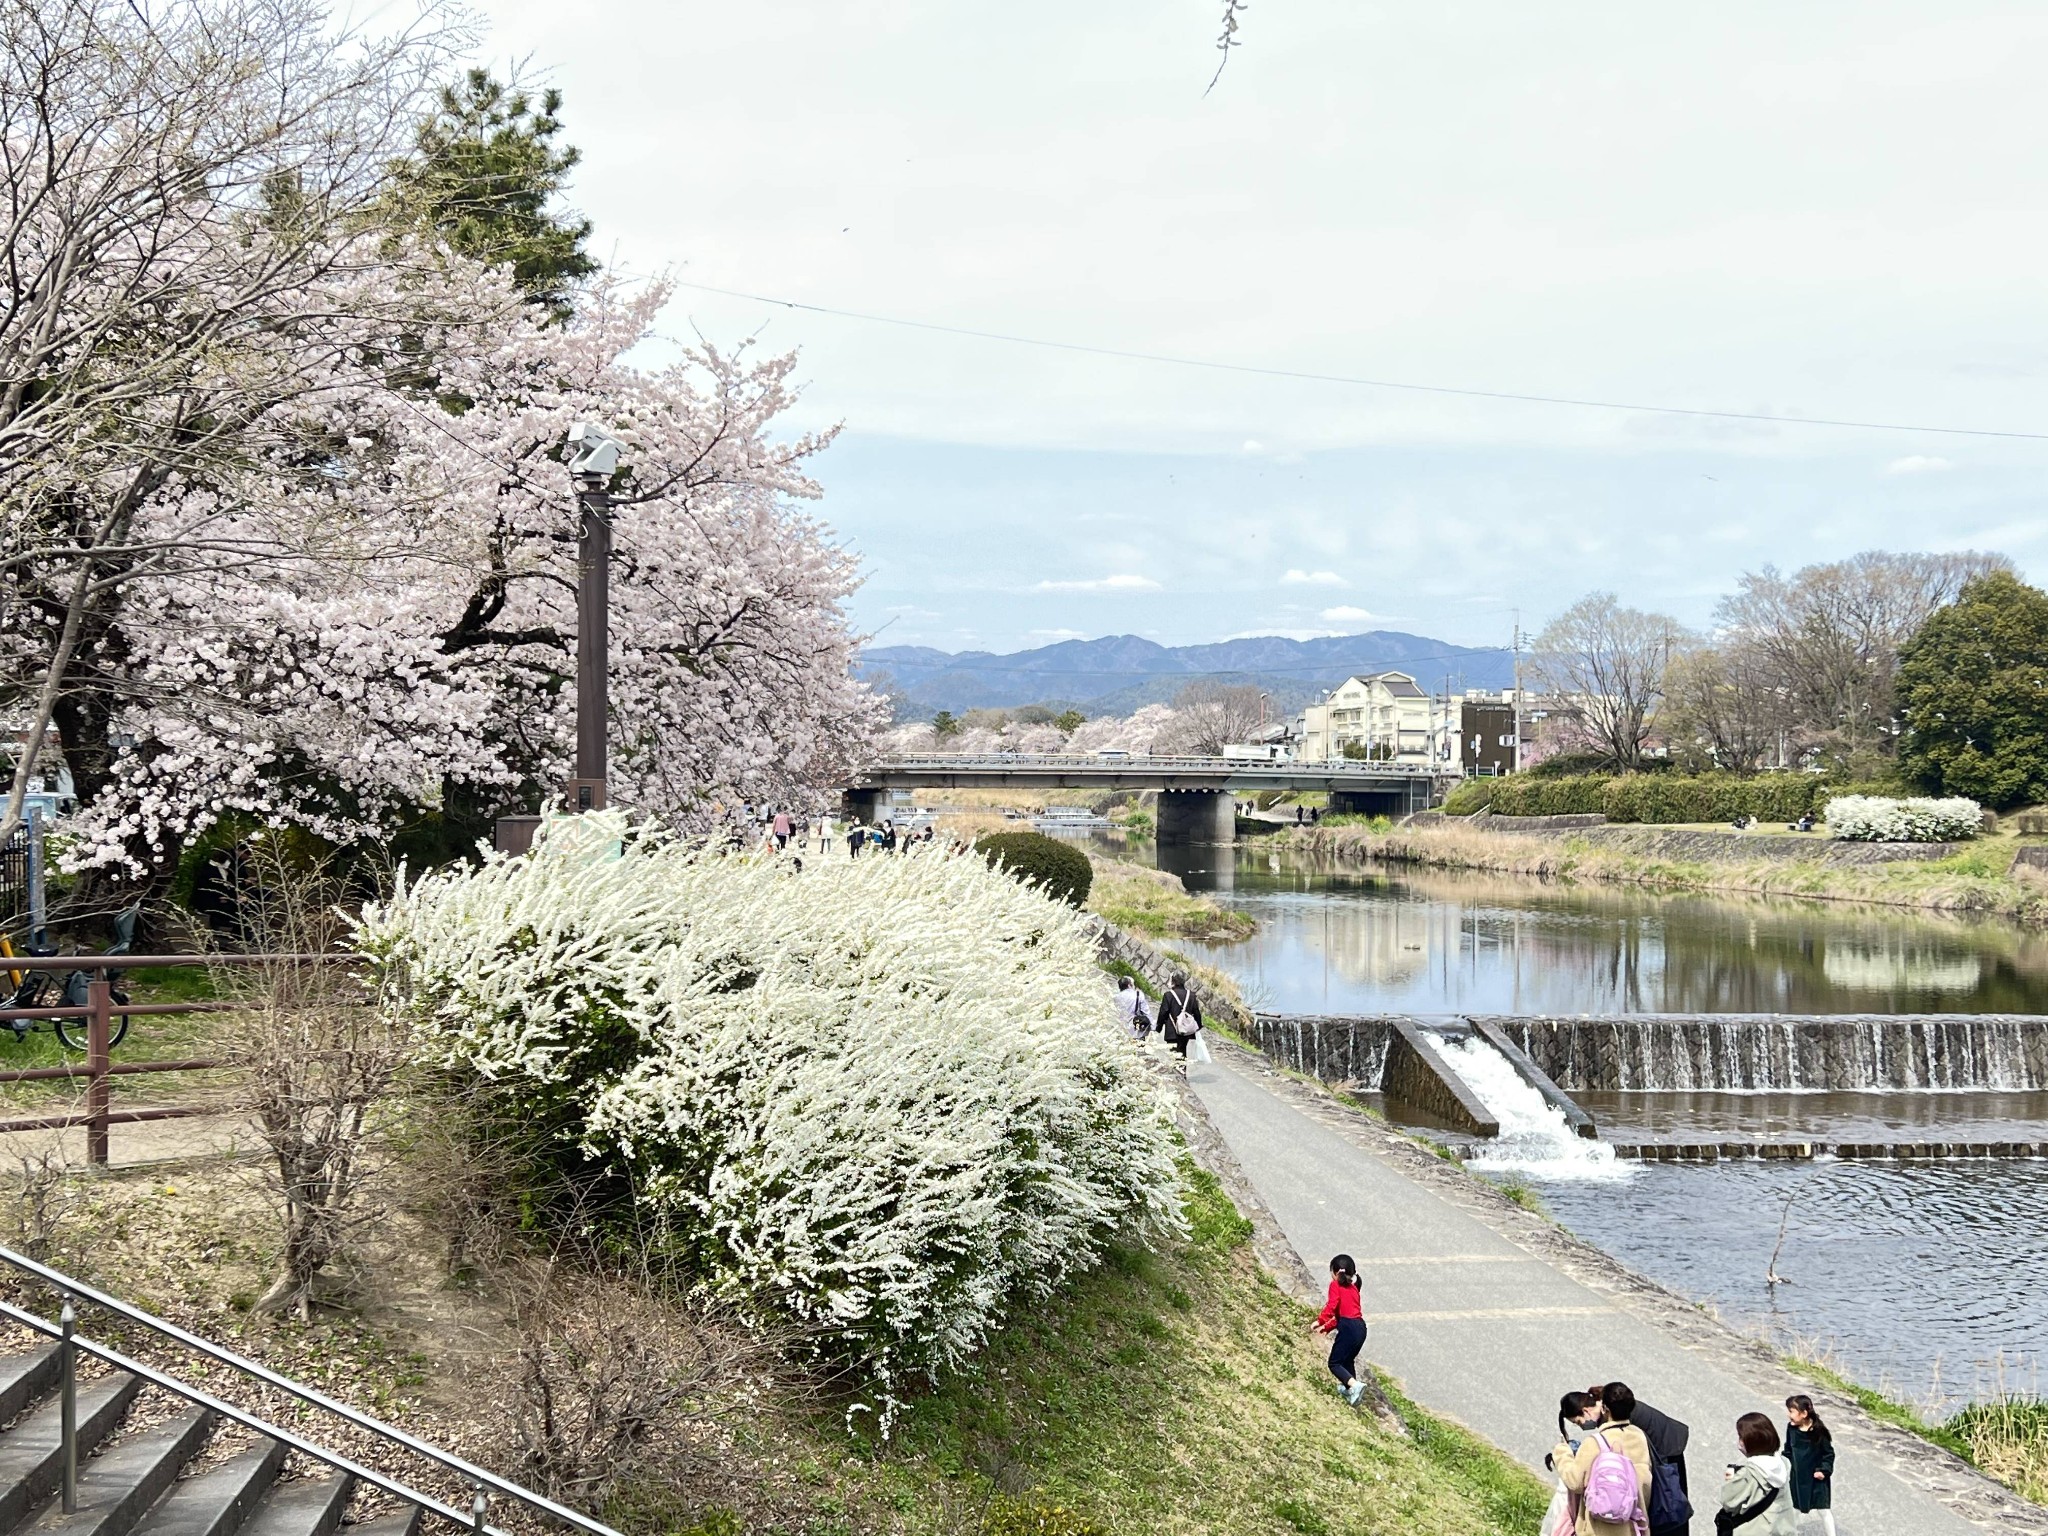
[(593, 460)]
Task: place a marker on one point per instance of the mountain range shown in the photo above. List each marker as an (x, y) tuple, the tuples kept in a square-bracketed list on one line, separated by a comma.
[(1121, 673)]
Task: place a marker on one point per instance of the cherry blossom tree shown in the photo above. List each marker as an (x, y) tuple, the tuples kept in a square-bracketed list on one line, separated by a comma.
[(286, 528)]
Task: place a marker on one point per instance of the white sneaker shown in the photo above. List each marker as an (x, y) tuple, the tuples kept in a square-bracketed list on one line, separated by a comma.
[(1356, 1391)]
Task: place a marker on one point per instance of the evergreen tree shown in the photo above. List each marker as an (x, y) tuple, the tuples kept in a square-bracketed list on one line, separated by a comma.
[(486, 176), (1973, 687)]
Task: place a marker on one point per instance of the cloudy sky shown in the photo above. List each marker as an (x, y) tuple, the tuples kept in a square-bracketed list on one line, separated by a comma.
[(1831, 210)]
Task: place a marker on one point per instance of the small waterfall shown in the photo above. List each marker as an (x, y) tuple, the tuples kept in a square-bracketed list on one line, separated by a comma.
[(1534, 1138)]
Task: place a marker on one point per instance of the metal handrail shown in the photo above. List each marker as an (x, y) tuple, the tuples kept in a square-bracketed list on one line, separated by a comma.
[(71, 1288)]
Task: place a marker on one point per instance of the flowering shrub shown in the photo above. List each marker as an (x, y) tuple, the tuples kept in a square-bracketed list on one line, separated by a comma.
[(885, 1097), (1876, 819)]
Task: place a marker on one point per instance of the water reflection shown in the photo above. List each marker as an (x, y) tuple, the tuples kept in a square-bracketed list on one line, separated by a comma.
[(1429, 942)]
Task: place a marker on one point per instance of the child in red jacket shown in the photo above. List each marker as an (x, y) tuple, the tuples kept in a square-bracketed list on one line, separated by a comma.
[(1343, 1316)]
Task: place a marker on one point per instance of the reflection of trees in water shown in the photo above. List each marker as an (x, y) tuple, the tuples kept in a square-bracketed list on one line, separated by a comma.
[(1596, 949)]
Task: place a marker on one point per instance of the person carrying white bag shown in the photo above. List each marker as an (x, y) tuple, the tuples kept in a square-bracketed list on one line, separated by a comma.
[(1180, 1021)]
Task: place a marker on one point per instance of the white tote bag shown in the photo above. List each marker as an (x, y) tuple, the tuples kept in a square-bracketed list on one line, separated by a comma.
[(1198, 1050)]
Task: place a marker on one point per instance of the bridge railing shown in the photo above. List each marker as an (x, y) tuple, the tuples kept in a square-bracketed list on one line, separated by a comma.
[(940, 762)]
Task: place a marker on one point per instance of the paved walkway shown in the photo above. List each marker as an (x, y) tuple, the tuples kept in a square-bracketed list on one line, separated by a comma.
[(1490, 1332)]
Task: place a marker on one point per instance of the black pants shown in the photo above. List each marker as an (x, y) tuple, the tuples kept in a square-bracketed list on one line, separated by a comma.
[(1344, 1348)]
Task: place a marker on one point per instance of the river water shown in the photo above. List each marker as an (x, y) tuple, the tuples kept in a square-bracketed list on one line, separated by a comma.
[(1929, 1280)]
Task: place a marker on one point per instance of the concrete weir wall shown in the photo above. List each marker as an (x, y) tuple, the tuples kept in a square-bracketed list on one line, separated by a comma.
[(1676, 1052), (1382, 1054)]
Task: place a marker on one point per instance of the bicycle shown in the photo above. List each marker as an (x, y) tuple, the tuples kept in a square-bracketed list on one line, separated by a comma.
[(34, 988)]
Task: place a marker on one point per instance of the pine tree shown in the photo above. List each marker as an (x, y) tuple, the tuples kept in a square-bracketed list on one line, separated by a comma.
[(488, 176)]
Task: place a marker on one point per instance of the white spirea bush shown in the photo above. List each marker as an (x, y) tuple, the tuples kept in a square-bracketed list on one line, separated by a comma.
[(885, 1096), (1877, 819)]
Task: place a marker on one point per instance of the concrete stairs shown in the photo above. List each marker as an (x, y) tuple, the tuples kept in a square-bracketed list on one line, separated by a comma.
[(141, 1479)]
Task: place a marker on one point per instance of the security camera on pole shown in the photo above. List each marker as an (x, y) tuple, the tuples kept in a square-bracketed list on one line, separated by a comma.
[(593, 460)]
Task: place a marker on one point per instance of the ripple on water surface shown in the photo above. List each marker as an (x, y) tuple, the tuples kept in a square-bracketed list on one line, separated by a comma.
[(1925, 1279)]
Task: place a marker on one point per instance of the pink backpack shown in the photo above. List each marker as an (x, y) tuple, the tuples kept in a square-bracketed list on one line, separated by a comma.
[(1612, 1492)]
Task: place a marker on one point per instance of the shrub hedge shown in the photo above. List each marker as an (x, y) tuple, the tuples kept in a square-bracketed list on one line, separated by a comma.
[(1061, 869), (1653, 797)]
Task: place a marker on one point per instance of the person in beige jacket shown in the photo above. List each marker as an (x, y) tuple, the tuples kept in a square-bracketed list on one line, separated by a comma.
[(1573, 1466)]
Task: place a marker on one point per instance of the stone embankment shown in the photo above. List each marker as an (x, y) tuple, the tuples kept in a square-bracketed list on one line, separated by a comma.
[(1694, 845)]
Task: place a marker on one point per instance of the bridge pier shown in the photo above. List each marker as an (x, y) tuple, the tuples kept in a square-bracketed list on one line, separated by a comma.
[(1197, 816), (866, 806)]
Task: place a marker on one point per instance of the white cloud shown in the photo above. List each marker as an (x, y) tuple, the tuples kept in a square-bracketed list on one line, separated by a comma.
[(1312, 579), (1347, 615), (1917, 464), (1122, 582), (1058, 634), (1253, 445)]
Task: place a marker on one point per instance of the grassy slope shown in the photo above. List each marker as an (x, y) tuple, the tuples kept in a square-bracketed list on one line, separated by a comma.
[(1175, 1393), (1977, 879), (1159, 906)]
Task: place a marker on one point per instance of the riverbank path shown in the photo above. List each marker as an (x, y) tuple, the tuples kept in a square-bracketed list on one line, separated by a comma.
[(1490, 1333)]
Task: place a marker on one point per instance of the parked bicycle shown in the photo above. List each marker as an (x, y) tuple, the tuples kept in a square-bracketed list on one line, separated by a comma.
[(42, 989)]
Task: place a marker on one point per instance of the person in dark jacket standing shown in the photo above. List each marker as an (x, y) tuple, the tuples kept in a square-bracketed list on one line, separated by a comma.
[(1811, 1450), (1670, 1503), (1179, 1015)]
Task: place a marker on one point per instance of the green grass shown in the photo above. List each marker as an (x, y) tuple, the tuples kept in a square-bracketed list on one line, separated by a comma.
[(1170, 1392), (1887, 1410)]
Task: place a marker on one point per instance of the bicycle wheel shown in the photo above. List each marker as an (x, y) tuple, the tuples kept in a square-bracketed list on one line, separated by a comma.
[(74, 1034)]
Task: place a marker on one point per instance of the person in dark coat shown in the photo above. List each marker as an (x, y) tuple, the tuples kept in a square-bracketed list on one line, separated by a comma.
[(1811, 1450), (1668, 1438)]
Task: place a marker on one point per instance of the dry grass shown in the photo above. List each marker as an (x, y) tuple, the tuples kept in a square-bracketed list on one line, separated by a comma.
[(1976, 880), (1156, 903)]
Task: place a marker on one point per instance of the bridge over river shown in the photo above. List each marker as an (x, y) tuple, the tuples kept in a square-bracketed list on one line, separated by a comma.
[(1196, 794)]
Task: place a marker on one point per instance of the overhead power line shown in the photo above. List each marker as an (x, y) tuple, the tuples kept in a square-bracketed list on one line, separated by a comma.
[(1460, 392)]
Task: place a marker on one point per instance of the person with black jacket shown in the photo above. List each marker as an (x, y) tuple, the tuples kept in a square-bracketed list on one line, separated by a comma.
[(1670, 1503)]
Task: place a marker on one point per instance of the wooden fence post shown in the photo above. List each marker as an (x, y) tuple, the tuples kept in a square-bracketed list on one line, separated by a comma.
[(99, 1003)]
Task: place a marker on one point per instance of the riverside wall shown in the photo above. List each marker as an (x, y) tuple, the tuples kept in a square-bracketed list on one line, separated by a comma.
[(1693, 845)]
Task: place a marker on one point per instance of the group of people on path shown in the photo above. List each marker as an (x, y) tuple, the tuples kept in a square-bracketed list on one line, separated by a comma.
[(1620, 1464), (885, 838), (1621, 1470), (1178, 1020)]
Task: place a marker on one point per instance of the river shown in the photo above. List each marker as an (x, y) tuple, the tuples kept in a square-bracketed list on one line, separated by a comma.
[(1923, 1279)]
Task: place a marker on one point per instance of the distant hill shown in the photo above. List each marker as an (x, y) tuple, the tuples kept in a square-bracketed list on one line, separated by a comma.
[(1120, 673)]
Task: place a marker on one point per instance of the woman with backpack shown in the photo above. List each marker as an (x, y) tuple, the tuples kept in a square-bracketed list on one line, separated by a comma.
[(1343, 1314), (1180, 1017), (1754, 1498), (1810, 1448), (1609, 1471)]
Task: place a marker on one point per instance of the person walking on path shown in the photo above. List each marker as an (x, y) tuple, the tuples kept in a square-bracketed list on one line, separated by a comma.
[(856, 836), (1180, 1016), (1343, 1315), (1130, 1007), (1754, 1498), (1610, 1502), (781, 827), (1670, 1505), (1810, 1449)]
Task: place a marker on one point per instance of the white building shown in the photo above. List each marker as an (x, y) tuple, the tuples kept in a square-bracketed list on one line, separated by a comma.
[(1385, 717)]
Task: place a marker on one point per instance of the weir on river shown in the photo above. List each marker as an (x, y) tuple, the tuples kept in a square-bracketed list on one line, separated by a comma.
[(1667, 1053)]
